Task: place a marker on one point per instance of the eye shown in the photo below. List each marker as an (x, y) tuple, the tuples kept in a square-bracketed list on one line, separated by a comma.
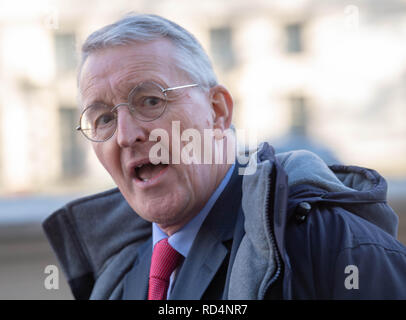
[(104, 120), (149, 102)]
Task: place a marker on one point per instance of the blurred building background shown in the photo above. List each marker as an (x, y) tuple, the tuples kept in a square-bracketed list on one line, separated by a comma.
[(324, 75)]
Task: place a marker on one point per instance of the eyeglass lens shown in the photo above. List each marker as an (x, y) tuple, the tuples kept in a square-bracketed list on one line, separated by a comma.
[(147, 102)]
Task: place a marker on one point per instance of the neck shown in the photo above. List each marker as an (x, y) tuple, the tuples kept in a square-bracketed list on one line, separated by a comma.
[(222, 170)]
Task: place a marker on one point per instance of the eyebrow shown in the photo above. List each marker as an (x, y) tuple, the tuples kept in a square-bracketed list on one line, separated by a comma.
[(131, 85), (98, 103)]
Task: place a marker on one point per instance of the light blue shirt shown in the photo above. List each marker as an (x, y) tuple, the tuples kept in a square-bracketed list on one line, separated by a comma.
[(183, 239)]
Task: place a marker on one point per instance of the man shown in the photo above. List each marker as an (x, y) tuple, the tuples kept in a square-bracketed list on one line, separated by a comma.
[(292, 228)]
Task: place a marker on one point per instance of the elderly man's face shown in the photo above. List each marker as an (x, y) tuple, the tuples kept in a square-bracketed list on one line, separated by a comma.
[(176, 192)]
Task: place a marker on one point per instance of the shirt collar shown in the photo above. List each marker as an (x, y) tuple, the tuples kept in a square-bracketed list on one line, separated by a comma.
[(183, 239)]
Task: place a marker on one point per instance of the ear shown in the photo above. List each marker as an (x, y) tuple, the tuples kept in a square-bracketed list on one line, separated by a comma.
[(222, 107)]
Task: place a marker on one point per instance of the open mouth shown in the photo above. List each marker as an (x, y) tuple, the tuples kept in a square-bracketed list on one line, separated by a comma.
[(148, 171)]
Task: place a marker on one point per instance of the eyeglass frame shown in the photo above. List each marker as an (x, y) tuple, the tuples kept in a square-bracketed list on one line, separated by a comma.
[(128, 104)]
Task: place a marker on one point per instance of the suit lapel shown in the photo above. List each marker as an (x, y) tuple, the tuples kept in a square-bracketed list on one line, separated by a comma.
[(199, 268), (136, 281)]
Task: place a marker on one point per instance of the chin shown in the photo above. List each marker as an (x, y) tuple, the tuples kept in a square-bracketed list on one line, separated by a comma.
[(161, 212)]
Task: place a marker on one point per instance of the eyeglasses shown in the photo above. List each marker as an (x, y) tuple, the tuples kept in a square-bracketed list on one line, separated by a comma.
[(146, 102)]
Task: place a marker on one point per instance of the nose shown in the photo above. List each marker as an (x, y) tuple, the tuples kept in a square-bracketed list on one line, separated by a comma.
[(129, 130)]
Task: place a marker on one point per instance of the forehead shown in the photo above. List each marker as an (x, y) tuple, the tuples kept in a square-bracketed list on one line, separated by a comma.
[(115, 68)]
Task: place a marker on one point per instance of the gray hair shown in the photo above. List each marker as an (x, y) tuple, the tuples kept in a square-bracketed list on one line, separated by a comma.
[(191, 57)]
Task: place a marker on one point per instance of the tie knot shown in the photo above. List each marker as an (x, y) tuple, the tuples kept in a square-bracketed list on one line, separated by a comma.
[(164, 260)]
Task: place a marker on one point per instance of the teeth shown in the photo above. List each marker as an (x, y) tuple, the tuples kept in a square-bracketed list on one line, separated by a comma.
[(145, 180), (140, 165)]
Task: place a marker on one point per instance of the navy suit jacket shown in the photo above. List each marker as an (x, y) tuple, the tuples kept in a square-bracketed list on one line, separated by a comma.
[(205, 272)]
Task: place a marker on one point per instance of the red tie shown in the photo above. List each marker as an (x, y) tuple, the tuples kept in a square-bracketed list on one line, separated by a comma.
[(164, 261)]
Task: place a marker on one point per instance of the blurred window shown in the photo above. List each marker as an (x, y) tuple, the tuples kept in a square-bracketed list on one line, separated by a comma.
[(221, 44), (72, 150), (65, 52), (298, 109), (294, 41)]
